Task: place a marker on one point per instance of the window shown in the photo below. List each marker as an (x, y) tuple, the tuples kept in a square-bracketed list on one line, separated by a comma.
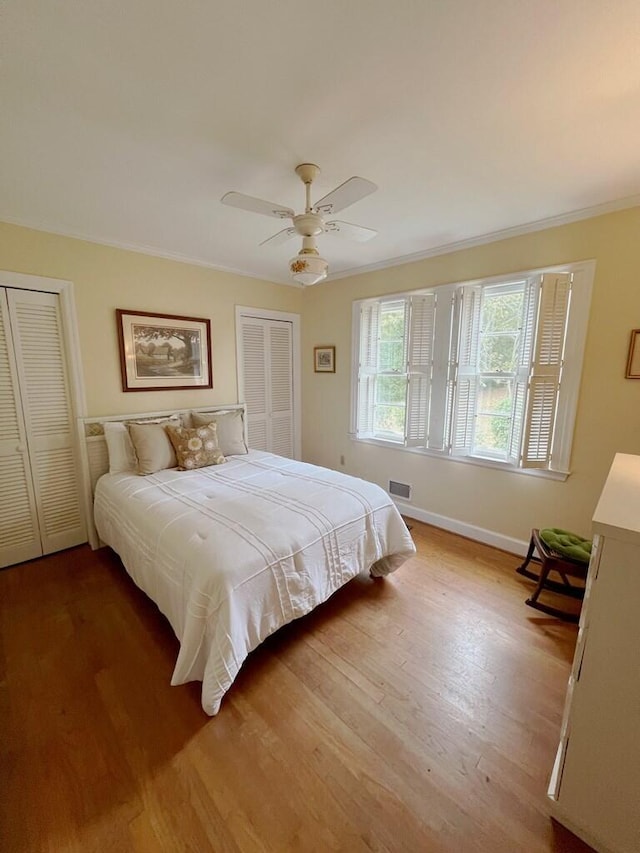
[(385, 377), (499, 345), (479, 369)]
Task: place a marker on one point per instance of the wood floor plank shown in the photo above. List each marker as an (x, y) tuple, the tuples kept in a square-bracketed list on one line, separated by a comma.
[(420, 712)]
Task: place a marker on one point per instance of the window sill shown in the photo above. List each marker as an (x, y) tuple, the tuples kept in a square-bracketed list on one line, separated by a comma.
[(466, 460)]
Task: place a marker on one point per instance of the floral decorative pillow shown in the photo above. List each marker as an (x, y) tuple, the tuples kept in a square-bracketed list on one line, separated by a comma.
[(195, 448)]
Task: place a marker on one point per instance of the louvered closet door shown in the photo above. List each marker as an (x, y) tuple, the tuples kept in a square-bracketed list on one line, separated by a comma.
[(254, 373), (38, 343), (280, 388), (19, 529), (267, 380)]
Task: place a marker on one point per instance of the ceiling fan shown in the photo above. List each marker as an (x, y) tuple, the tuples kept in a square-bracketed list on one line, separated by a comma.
[(308, 267)]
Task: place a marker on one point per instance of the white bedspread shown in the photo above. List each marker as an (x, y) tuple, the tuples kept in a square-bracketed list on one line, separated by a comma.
[(232, 552)]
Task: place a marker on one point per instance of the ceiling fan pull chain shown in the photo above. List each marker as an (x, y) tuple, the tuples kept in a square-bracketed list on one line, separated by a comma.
[(307, 187)]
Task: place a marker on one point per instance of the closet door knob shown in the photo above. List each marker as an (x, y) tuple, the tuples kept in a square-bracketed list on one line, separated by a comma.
[(21, 448)]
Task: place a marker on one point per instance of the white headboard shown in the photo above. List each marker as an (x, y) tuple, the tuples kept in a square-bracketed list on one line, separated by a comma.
[(94, 458)]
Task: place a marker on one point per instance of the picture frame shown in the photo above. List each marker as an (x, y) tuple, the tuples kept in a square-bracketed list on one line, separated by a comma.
[(633, 359), (163, 352), (324, 359)]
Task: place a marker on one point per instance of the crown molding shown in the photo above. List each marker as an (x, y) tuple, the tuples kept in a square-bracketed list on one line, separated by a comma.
[(139, 248), (443, 249), (495, 236)]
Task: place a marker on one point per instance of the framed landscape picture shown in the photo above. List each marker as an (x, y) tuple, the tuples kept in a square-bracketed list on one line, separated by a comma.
[(163, 352)]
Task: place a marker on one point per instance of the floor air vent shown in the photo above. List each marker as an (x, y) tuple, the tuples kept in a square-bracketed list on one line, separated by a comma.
[(399, 490)]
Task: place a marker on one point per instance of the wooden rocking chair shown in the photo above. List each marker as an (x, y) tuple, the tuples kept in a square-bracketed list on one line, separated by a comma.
[(571, 561)]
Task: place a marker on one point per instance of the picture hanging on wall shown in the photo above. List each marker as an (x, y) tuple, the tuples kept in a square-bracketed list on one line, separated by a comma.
[(163, 352), (633, 359), (324, 359)]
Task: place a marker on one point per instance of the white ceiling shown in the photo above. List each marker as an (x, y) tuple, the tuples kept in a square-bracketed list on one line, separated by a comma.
[(125, 121)]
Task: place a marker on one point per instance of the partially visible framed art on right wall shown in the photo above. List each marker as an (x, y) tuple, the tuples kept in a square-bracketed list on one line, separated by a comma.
[(633, 360)]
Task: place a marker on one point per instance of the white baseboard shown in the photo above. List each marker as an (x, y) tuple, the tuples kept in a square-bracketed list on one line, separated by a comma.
[(470, 531)]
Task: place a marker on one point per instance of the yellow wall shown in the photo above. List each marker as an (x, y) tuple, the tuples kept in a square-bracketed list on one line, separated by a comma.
[(107, 278), (609, 407), (509, 504)]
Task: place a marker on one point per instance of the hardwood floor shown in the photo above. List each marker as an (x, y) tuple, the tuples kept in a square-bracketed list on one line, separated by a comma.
[(416, 713)]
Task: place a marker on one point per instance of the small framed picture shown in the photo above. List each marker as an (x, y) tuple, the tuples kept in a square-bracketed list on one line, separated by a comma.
[(163, 352), (324, 359), (633, 360)]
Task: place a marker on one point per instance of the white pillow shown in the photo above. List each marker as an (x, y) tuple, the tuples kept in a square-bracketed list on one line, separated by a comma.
[(122, 453), (122, 456), (153, 449), (230, 429)]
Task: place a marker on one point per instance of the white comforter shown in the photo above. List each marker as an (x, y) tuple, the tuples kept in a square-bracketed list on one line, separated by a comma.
[(232, 552)]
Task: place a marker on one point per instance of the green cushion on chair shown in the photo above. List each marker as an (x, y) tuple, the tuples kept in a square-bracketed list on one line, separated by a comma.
[(566, 544)]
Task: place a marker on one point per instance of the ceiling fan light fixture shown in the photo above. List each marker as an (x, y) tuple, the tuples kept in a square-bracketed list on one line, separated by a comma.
[(308, 269)]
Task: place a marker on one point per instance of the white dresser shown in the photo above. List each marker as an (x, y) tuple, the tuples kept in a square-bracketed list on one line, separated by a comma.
[(595, 784)]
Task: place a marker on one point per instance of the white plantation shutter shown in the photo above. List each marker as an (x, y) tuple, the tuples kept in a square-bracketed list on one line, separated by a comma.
[(19, 528), (420, 349), (464, 406), (367, 367), (546, 369), (527, 334), (38, 343), (443, 374)]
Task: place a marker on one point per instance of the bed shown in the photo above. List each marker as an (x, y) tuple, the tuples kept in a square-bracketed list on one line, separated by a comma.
[(231, 552)]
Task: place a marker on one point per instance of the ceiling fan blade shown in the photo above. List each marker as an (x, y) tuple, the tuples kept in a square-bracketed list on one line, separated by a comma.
[(257, 205), (280, 237), (349, 231), (347, 193)]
